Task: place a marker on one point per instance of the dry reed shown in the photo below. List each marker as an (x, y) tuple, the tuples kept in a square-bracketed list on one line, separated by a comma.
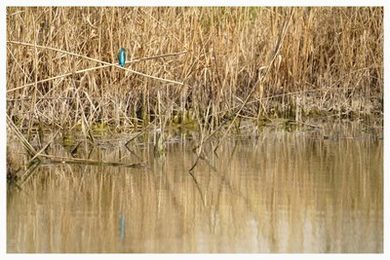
[(245, 62)]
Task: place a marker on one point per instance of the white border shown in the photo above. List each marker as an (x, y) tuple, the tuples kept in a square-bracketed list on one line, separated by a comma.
[(386, 136), (3, 137), (5, 3), (196, 3)]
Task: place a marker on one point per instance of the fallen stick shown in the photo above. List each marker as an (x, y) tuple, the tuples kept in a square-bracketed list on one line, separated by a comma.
[(58, 159)]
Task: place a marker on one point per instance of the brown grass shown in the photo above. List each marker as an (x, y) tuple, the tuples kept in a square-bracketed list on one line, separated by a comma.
[(251, 62)]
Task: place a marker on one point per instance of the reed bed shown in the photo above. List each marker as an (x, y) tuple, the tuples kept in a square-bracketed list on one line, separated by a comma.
[(220, 65)]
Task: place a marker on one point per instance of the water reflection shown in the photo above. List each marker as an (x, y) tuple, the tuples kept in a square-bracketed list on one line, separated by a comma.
[(280, 193)]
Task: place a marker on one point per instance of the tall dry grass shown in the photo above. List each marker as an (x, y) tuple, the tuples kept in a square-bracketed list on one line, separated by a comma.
[(247, 62)]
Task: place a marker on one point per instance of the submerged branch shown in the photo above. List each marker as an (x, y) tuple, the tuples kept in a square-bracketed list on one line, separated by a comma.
[(58, 159)]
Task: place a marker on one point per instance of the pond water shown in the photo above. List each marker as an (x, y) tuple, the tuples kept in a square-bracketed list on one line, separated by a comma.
[(279, 192)]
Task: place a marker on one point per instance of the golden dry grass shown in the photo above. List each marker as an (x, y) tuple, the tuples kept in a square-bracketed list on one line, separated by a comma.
[(249, 62)]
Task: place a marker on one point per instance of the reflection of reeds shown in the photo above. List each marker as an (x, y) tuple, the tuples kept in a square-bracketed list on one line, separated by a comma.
[(247, 62), (36, 157), (282, 193)]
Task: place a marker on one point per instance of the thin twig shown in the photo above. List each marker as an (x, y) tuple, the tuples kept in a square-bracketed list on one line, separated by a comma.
[(95, 68), (44, 148), (92, 59)]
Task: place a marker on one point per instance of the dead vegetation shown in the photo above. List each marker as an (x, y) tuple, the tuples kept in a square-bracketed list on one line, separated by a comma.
[(250, 62), (207, 69)]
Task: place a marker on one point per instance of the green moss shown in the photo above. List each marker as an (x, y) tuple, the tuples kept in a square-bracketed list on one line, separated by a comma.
[(184, 119), (100, 128), (68, 139)]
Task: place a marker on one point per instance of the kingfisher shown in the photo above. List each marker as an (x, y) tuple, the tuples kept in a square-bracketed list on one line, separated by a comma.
[(122, 57)]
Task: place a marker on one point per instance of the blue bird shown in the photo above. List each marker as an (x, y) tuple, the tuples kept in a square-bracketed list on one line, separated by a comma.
[(122, 57)]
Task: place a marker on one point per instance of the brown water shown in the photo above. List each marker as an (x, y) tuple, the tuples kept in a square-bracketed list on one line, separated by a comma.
[(283, 192)]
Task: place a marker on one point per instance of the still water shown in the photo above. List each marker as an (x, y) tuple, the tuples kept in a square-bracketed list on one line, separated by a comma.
[(280, 192)]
